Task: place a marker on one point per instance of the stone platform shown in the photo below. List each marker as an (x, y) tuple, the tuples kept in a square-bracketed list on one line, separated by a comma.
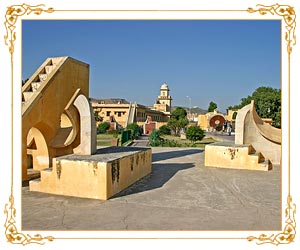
[(235, 156), (97, 176)]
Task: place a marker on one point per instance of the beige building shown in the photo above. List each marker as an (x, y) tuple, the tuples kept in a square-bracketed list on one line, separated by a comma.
[(231, 115), (125, 112)]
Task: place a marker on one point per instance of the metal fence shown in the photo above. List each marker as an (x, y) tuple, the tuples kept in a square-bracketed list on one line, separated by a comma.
[(125, 136)]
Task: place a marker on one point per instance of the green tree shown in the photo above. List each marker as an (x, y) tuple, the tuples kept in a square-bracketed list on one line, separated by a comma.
[(98, 118), (179, 112), (165, 130), (103, 127), (212, 106), (178, 120), (194, 133), (267, 102)]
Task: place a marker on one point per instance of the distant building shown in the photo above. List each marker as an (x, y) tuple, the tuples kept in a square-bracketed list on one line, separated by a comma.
[(192, 117), (124, 112), (231, 115), (164, 100)]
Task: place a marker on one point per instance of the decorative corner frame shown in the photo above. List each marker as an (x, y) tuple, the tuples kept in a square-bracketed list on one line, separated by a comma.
[(289, 16), (13, 12), (11, 231)]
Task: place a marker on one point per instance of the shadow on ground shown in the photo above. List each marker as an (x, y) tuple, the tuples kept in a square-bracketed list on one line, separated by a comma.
[(174, 154), (160, 175)]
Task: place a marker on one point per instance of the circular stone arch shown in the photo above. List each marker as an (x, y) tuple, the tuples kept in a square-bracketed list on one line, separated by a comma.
[(37, 149), (217, 122)]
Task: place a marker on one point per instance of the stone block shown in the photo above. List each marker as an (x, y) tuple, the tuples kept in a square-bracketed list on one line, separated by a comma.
[(97, 176), (230, 155)]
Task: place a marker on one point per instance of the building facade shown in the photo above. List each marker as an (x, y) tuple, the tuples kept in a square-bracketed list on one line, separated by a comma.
[(125, 112)]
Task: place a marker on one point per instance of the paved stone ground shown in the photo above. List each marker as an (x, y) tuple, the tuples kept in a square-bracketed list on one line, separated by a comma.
[(142, 141), (179, 194), (221, 136)]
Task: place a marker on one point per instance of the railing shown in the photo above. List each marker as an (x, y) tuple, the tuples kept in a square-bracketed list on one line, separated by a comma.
[(125, 136), (129, 134)]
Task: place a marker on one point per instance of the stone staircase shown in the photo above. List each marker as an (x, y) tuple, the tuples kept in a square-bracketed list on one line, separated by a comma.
[(236, 156), (54, 105), (131, 114), (257, 159), (34, 84)]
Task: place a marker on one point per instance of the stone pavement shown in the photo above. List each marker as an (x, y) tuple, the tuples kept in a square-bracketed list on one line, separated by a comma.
[(142, 141), (221, 136), (179, 194)]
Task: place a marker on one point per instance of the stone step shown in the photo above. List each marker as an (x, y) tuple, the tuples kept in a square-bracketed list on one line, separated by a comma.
[(36, 180), (228, 155), (35, 86), (251, 150), (56, 60), (49, 69), (33, 174), (47, 170), (258, 155), (35, 184), (43, 77), (27, 95), (46, 173), (265, 164)]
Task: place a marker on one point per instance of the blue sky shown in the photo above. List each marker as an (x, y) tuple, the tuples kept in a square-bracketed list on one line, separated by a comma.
[(221, 61)]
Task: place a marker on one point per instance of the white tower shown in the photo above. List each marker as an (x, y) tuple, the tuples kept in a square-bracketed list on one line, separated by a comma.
[(164, 100)]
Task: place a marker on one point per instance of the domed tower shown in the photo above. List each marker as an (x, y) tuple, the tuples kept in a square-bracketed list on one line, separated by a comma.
[(164, 100)]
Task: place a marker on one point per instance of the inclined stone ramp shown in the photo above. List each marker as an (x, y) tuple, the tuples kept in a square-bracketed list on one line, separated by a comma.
[(131, 114)]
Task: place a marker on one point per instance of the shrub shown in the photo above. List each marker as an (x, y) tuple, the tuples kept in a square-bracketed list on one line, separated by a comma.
[(103, 127), (194, 133), (165, 130), (155, 139), (136, 131)]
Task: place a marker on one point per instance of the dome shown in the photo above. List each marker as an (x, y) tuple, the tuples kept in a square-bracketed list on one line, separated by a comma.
[(164, 86)]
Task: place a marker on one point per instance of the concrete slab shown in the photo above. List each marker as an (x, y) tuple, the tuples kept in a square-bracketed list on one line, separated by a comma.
[(179, 194), (98, 176), (105, 154)]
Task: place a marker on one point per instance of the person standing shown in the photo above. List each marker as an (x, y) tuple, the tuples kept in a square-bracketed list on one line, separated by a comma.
[(229, 128)]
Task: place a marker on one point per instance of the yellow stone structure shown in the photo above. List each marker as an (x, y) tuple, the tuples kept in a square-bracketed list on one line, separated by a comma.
[(211, 120), (229, 155), (257, 144), (99, 176), (59, 137), (251, 129), (231, 115), (56, 115)]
